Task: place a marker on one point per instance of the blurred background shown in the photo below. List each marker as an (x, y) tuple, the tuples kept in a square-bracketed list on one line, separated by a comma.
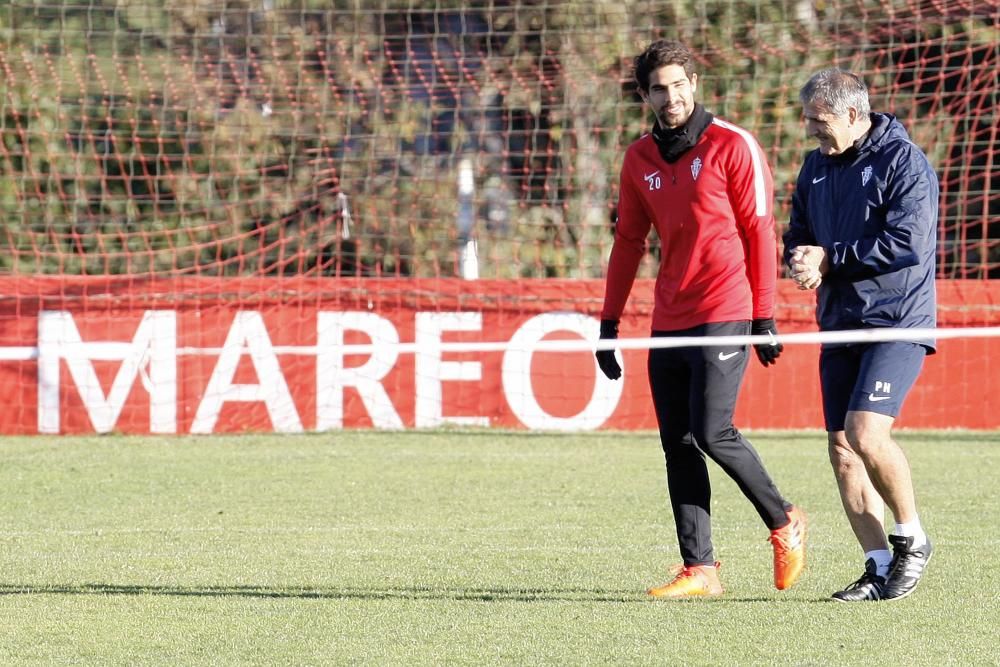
[(433, 139)]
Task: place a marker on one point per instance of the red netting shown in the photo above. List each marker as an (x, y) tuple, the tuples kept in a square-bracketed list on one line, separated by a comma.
[(298, 137)]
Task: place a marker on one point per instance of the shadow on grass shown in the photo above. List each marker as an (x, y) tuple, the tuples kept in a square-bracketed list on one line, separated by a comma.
[(350, 593), (347, 593)]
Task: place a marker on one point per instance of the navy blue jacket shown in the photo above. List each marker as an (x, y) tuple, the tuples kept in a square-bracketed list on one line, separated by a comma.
[(874, 208)]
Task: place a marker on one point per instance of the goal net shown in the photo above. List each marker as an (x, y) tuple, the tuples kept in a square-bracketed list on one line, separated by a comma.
[(295, 158)]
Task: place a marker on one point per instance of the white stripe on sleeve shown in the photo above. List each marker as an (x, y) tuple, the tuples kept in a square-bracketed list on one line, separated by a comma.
[(760, 192)]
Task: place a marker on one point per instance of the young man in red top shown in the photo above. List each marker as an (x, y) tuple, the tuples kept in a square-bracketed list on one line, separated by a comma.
[(705, 187)]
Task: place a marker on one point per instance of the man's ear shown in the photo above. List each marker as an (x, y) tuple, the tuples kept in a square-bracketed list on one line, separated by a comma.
[(852, 114), (694, 82)]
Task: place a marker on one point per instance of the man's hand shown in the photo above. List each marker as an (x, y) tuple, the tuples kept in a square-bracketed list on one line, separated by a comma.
[(808, 264), (767, 353), (606, 358)]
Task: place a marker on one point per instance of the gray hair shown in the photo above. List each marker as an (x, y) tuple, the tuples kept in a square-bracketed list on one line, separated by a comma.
[(837, 91)]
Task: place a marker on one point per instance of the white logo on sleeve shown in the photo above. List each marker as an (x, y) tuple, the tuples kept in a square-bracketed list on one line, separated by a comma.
[(866, 175), (653, 180), (696, 168), (817, 180), (881, 393), (725, 356)]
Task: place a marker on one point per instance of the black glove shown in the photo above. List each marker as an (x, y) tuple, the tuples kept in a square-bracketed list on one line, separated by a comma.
[(768, 353), (606, 358)]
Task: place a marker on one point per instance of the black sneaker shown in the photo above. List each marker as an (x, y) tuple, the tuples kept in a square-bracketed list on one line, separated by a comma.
[(868, 587), (907, 567)]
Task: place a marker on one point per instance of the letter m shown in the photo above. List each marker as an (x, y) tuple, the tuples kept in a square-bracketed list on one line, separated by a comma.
[(152, 355)]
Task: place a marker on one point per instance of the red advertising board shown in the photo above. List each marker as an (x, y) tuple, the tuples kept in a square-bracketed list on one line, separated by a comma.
[(204, 355)]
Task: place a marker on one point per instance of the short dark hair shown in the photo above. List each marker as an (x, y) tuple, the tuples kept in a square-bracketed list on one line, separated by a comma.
[(659, 54)]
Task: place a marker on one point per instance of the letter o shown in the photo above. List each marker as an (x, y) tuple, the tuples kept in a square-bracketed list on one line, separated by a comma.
[(517, 383)]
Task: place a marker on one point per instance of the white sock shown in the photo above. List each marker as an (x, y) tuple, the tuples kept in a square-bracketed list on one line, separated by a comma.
[(911, 529), (882, 558)]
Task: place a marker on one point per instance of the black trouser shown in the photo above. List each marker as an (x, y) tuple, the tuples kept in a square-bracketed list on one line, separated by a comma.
[(694, 392)]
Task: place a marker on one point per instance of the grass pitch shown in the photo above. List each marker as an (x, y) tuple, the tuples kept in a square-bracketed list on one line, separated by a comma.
[(459, 548)]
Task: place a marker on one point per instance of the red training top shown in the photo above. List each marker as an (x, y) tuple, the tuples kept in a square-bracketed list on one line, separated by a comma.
[(712, 210)]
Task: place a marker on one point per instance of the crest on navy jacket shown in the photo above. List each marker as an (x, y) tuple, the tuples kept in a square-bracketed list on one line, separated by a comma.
[(866, 175)]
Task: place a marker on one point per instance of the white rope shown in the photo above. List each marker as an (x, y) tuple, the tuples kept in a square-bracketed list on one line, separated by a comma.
[(577, 345)]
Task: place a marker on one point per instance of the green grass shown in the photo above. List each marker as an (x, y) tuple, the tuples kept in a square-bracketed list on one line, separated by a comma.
[(459, 548)]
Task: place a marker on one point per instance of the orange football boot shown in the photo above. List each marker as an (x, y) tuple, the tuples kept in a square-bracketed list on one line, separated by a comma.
[(789, 544), (689, 582)]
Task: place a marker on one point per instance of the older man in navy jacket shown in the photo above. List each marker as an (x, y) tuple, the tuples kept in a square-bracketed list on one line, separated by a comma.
[(863, 233)]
